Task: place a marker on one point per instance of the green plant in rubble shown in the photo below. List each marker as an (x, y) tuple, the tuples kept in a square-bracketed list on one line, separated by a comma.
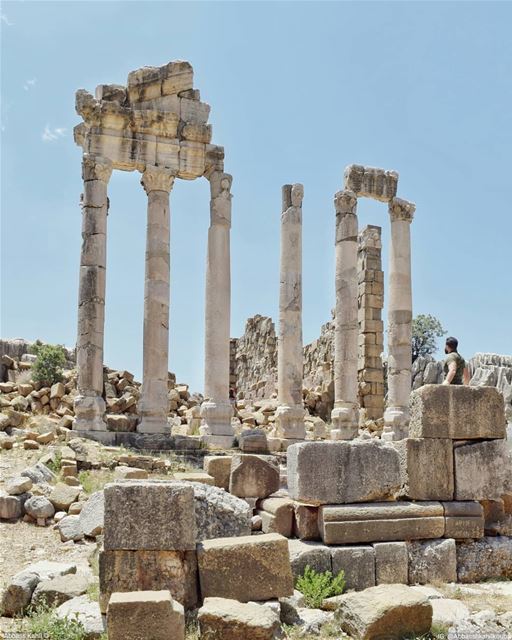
[(316, 587), (42, 622)]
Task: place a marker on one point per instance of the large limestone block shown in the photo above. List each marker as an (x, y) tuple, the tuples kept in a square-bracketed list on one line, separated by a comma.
[(457, 411), (485, 559), (463, 520), (426, 466), (220, 514), (391, 563), (358, 564), (305, 524), (313, 554), (253, 476), (220, 468), (343, 471), (381, 522), (432, 561), (63, 496), (174, 571), (225, 619), (142, 514), (54, 592), (483, 470), (17, 595), (276, 516), (140, 615), (245, 568), (386, 611)]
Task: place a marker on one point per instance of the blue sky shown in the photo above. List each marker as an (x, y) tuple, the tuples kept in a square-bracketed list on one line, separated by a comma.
[(298, 90)]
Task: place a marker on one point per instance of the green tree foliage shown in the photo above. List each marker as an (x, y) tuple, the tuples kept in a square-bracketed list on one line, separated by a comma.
[(425, 330), (50, 360), (316, 587)]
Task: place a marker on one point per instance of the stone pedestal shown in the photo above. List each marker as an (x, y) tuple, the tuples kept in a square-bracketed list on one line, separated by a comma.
[(396, 415), (153, 405), (217, 410), (290, 411), (345, 415), (89, 403)]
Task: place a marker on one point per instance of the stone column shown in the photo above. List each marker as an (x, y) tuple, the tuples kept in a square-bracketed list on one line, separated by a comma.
[(89, 403), (396, 415), (216, 410), (290, 411), (345, 415), (153, 404)]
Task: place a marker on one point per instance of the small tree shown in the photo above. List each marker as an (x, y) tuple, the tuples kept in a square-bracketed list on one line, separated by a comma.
[(425, 330), (50, 360)]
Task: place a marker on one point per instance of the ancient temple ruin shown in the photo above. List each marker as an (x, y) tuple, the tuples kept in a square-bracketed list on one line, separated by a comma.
[(156, 125)]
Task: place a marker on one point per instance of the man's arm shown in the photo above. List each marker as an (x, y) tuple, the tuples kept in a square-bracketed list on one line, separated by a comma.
[(452, 370), (466, 375)]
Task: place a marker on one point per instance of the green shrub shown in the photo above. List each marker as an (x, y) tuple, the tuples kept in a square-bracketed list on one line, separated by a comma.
[(55, 464), (43, 623), (50, 360), (316, 587)]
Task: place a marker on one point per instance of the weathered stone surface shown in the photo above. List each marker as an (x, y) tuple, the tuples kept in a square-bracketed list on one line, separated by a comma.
[(313, 554), (482, 470), (140, 615), (343, 472), (358, 563), (141, 514), (463, 520), (92, 515), (87, 613), (432, 561), (129, 473), (380, 522), (54, 592), (253, 441), (253, 476), (446, 612), (18, 485), (39, 507), (63, 496), (70, 529), (391, 563), (371, 182), (426, 467), (490, 557), (276, 515), (305, 524), (200, 476), (225, 619), (17, 595), (245, 568), (220, 468), (220, 514), (11, 507), (175, 571), (39, 473), (457, 411), (385, 611)]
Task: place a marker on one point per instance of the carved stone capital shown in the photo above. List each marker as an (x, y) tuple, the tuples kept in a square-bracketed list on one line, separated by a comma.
[(345, 202), (157, 179), (220, 203), (401, 210), (297, 194), (96, 168)]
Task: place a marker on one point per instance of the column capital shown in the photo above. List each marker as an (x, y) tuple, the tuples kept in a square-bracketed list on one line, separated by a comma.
[(292, 195), (401, 210), (220, 203), (345, 202), (96, 168), (157, 179)]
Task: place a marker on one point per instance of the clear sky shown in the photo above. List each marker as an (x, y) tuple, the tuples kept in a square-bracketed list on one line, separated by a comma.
[(298, 90)]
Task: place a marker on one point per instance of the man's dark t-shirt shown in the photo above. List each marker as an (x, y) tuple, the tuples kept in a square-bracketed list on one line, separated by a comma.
[(460, 363)]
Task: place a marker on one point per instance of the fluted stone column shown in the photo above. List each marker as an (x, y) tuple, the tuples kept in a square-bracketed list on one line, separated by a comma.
[(216, 410), (345, 415), (153, 404), (396, 415), (290, 411), (89, 403)]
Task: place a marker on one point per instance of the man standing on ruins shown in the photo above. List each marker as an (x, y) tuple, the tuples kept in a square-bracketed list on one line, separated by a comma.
[(455, 369)]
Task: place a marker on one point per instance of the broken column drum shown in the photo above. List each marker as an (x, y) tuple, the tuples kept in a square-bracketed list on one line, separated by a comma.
[(157, 125)]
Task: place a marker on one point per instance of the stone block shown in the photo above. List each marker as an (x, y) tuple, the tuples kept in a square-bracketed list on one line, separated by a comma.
[(56, 591), (343, 471), (202, 477), (381, 522), (142, 514), (305, 525), (391, 563), (313, 554), (482, 470), (220, 514), (276, 516), (426, 467), (11, 507), (358, 563), (245, 568), (371, 182), (253, 476), (458, 412), (253, 441), (386, 611), (489, 558), (174, 571), (432, 561), (225, 619), (220, 468), (140, 615), (63, 496), (463, 520)]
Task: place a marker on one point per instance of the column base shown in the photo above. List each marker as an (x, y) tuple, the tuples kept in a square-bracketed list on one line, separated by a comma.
[(290, 422), (345, 421), (217, 418), (153, 424), (396, 424), (89, 413), (218, 441)]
